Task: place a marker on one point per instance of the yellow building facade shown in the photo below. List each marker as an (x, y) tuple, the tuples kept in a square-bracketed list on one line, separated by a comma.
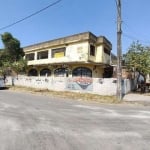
[(84, 55)]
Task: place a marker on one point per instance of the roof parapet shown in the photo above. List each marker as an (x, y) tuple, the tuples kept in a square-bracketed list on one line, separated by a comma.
[(85, 36)]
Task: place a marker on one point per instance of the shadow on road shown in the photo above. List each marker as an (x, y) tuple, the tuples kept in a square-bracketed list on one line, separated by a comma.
[(4, 88)]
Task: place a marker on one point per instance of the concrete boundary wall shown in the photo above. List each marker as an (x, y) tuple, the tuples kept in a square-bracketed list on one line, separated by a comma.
[(101, 86)]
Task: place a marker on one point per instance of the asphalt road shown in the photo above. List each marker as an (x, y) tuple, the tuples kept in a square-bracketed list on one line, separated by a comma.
[(34, 122)]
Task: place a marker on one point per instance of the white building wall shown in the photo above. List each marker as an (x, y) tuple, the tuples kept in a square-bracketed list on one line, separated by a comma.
[(99, 53), (77, 52), (101, 86)]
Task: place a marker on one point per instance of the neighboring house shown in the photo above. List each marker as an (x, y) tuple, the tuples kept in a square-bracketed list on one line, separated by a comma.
[(81, 54)]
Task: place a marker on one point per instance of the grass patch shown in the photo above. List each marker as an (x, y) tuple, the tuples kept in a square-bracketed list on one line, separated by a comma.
[(69, 95)]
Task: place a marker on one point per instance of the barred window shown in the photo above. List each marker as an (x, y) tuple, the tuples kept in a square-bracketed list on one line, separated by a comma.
[(61, 72), (92, 50), (33, 72), (45, 72), (42, 55), (59, 52), (82, 72), (29, 56), (106, 51)]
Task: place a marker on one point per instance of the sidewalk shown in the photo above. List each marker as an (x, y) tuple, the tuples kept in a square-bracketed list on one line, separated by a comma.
[(137, 97)]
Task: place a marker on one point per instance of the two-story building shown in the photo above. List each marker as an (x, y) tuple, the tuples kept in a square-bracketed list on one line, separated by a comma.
[(84, 55)]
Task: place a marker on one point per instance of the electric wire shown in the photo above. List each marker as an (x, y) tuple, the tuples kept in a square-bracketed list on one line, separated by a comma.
[(131, 37), (31, 15)]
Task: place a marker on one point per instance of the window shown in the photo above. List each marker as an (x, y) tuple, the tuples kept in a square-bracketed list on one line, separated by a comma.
[(82, 72), (92, 50), (29, 56), (59, 52), (33, 72), (106, 51), (45, 72), (61, 72), (42, 55), (108, 72)]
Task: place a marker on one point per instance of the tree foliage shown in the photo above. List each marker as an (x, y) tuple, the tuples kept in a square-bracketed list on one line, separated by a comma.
[(19, 66), (11, 56), (12, 47), (138, 58)]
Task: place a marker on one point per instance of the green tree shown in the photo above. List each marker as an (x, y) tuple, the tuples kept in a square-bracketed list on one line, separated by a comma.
[(12, 47), (138, 58), (19, 66), (11, 57)]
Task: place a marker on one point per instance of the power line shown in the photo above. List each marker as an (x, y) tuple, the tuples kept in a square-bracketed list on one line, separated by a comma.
[(135, 38), (29, 16)]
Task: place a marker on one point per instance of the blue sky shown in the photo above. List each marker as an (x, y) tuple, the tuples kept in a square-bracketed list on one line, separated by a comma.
[(75, 16)]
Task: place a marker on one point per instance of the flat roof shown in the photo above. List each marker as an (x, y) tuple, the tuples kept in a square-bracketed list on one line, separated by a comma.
[(68, 40)]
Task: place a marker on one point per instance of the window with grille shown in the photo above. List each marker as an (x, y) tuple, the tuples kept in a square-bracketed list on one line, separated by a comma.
[(29, 56), (45, 72), (82, 72), (61, 72), (92, 50), (59, 52), (106, 51), (42, 55)]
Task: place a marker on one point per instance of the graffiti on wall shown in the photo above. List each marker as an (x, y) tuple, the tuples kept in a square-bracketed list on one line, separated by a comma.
[(80, 83)]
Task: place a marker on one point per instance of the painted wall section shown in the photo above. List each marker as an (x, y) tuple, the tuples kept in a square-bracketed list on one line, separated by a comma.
[(77, 52), (101, 86)]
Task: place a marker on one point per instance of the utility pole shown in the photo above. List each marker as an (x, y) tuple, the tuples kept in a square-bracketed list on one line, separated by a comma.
[(119, 51)]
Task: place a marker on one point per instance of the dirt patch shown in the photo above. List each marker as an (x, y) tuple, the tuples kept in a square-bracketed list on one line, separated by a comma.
[(69, 95)]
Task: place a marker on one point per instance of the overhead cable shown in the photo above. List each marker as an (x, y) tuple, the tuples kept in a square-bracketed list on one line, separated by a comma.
[(29, 16), (135, 38)]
